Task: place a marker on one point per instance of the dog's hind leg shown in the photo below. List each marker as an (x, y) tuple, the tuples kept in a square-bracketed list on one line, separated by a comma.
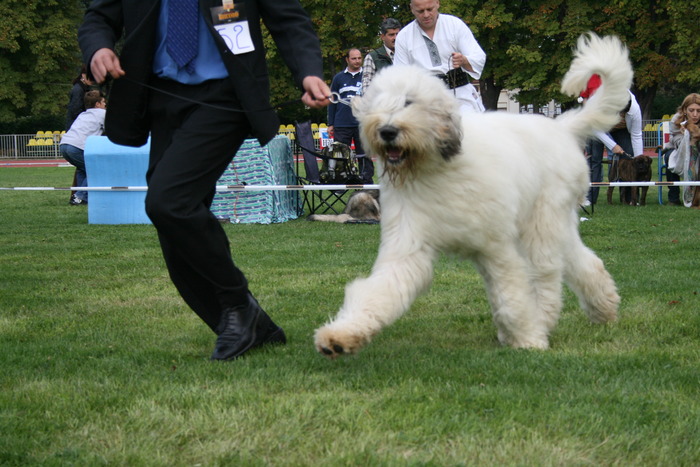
[(591, 282), (513, 300), (371, 303)]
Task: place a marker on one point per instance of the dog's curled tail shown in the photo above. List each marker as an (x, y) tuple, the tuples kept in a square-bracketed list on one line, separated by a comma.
[(609, 58)]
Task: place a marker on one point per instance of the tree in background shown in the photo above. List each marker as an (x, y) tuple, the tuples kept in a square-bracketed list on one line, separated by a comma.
[(528, 45), (685, 41), (39, 56), (644, 26), (340, 26)]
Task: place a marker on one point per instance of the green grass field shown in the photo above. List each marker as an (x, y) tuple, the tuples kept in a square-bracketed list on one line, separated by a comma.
[(101, 363)]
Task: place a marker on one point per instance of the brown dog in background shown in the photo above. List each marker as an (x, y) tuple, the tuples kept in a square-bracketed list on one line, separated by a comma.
[(637, 169)]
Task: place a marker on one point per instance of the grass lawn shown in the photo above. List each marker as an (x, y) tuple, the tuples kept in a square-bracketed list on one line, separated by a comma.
[(101, 363)]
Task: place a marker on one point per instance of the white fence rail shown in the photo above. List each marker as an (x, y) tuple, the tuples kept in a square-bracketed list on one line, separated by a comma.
[(29, 146)]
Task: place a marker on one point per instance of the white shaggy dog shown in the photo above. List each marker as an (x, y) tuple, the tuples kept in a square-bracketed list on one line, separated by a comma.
[(500, 189)]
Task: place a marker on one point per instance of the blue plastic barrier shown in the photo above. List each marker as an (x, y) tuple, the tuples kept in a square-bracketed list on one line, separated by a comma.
[(109, 164)]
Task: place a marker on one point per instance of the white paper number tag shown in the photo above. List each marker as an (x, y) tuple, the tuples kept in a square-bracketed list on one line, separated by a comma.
[(233, 27)]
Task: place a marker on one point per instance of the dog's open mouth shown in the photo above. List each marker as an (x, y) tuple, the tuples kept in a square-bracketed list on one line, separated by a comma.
[(394, 155)]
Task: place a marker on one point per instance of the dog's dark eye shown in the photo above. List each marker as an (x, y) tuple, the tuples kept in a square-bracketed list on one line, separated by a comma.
[(408, 102)]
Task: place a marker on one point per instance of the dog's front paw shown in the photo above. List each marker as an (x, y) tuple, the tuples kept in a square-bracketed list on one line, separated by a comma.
[(332, 342)]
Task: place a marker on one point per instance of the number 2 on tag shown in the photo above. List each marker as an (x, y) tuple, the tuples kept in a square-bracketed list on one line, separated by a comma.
[(236, 36)]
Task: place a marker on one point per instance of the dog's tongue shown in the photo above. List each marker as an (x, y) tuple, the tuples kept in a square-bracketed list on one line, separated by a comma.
[(393, 154)]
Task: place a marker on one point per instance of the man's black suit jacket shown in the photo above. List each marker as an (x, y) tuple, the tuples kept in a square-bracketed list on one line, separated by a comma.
[(127, 122)]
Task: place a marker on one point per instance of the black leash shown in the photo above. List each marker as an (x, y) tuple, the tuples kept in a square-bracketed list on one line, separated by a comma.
[(205, 104), (616, 164), (229, 109)]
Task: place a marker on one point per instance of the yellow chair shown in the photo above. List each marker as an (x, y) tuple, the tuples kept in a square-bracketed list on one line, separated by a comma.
[(322, 125), (314, 127), (32, 142), (45, 142), (39, 134)]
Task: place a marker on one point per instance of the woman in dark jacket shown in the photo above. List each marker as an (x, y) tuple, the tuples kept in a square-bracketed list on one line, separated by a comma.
[(76, 104)]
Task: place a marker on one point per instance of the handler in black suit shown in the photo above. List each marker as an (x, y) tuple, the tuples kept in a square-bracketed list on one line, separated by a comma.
[(207, 60)]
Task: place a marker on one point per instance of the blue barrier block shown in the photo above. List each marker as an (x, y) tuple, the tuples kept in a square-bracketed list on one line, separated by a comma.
[(109, 164)]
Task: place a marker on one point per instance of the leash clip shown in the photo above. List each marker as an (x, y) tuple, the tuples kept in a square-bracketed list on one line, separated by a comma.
[(336, 99)]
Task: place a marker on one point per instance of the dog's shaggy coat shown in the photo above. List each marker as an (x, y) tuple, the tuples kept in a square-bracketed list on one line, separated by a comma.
[(500, 189)]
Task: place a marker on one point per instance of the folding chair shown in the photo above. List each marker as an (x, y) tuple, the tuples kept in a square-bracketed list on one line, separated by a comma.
[(315, 201)]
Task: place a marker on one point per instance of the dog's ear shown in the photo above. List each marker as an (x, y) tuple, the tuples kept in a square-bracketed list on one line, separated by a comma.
[(451, 137)]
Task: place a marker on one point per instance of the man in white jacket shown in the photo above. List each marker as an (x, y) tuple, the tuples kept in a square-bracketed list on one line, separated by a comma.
[(440, 42), (72, 147)]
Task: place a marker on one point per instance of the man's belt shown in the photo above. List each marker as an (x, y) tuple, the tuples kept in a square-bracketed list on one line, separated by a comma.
[(454, 78)]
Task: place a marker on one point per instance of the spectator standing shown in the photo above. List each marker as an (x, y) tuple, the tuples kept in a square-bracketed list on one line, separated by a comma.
[(685, 136), (212, 93), (342, 124), (72, 147), (384, 55), (439, 42), (625, 137), (76, 97)]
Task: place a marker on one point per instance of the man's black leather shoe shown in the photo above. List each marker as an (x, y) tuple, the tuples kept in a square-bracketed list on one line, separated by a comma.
[(267, 331), (243, 328)]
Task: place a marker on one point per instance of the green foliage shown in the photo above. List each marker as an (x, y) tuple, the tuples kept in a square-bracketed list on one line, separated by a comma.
[(340, 26), (103, 364), (39, 56), (528, 45), (685, 40)]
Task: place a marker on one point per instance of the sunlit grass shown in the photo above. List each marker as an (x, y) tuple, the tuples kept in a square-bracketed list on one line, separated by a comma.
[(103, 364)]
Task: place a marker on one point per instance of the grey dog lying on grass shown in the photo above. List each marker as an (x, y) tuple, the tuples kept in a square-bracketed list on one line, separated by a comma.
[(362, 207)]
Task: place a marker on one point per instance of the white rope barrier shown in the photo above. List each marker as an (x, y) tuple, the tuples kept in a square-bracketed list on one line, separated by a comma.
[(233, 188), (689, 183), (219, 188)]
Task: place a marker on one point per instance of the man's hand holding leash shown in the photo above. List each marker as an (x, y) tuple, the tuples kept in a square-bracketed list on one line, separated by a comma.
[(105, 62)]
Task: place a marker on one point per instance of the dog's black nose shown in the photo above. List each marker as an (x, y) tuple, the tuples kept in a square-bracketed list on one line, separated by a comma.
[(388, 133)]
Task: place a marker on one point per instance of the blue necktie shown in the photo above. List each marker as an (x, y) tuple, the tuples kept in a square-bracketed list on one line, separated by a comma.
[(182, 33)]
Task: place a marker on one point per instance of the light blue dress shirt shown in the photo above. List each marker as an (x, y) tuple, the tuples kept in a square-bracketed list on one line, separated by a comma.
[(208, 64)]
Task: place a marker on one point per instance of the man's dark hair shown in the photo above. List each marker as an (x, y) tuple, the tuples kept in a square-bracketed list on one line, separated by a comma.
[(92, 98), (389, 23)]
